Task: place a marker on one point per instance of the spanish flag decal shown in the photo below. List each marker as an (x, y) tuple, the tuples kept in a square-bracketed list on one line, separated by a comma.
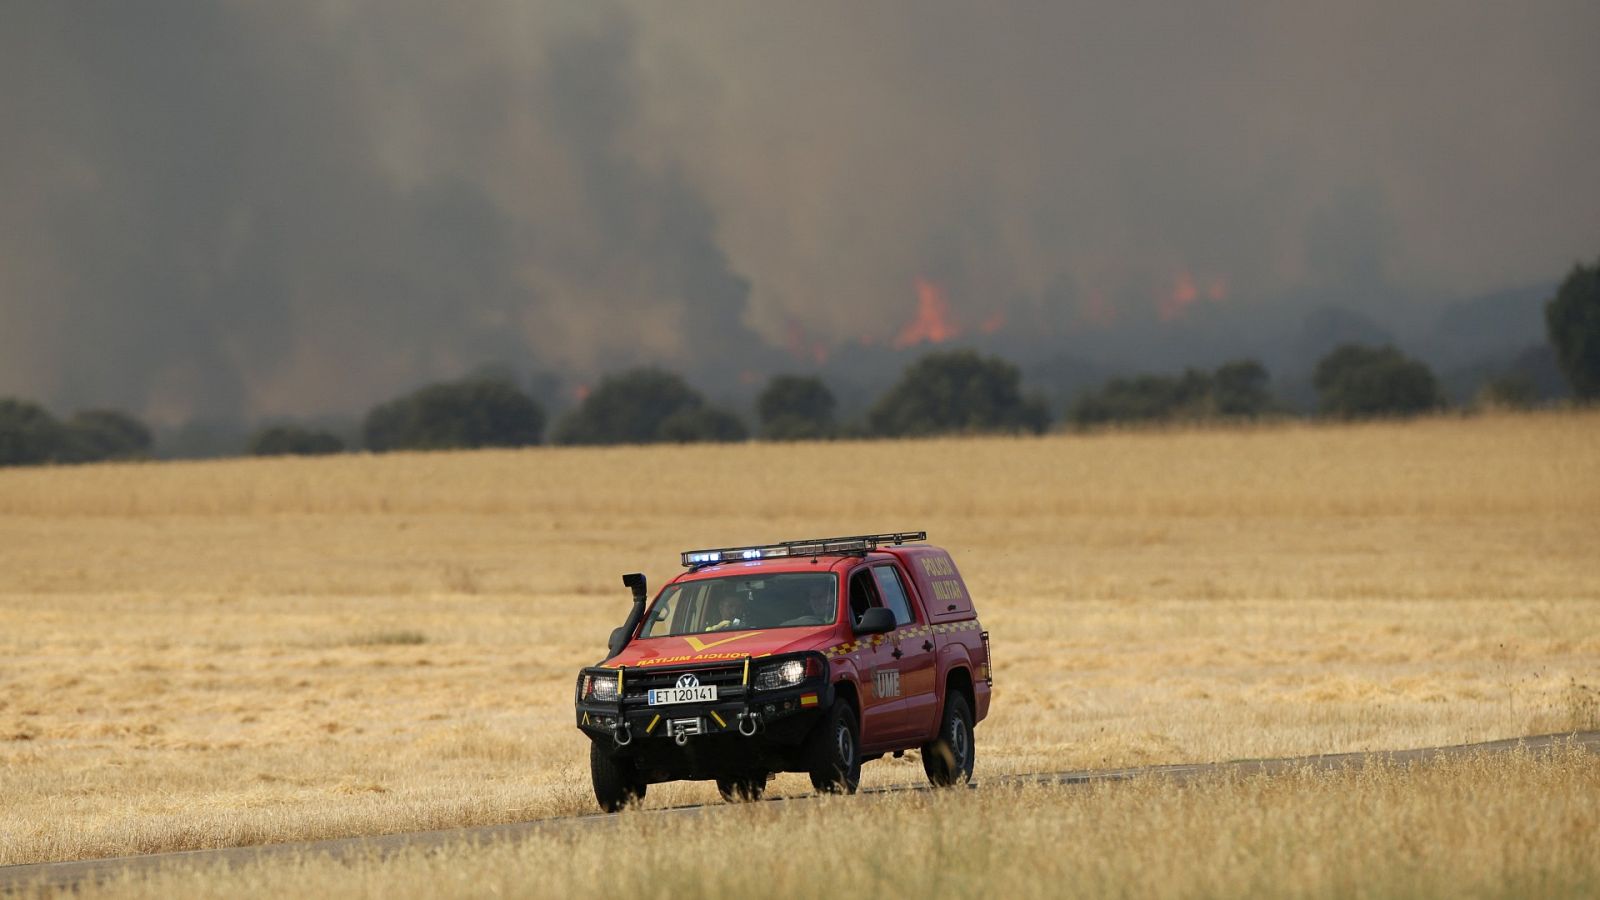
[(808, 699)]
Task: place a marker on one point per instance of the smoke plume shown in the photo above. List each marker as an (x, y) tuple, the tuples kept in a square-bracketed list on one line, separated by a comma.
[(301, 207)]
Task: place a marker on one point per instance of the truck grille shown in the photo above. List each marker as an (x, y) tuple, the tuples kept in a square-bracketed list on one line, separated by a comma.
[(729, 679)]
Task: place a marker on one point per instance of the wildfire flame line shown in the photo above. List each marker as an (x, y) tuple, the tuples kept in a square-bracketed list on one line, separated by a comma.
[(932, 324), (1185, 291)]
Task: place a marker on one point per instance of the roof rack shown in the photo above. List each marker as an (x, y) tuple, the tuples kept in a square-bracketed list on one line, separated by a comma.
[(859, 543)]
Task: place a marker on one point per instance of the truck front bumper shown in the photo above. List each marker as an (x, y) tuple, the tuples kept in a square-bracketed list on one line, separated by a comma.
[(743, 729)]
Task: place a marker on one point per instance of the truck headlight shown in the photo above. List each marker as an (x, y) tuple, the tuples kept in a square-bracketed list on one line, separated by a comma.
[(786, 674), (600, 687)]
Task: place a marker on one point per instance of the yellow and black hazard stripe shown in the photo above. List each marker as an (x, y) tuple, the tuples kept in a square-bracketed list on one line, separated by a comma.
[(902, 634)]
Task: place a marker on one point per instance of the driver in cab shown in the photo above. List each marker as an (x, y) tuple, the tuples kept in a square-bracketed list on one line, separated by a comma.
[(728, 612), (820, 602)]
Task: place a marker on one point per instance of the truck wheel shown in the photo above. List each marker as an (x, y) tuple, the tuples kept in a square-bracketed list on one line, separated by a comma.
[(616, 782), (742, 789), (833, 751), (948, 758)]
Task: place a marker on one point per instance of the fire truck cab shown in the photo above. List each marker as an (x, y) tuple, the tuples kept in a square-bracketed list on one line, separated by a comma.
[(803, 656)]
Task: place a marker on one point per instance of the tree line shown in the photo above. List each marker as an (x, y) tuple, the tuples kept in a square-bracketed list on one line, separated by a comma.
[(954, 391), (30, 435), (944, 392)]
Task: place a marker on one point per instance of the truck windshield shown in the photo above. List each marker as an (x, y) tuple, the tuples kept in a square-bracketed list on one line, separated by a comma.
[(743, 602)]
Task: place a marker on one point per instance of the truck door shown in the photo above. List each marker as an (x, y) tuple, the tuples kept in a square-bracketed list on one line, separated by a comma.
[(912, 653), (881, 712)]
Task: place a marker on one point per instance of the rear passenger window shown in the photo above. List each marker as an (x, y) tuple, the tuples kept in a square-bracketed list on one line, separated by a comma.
[(893, 593)]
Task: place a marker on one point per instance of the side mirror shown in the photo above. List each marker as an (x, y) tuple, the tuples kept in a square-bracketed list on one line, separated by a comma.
[(619, 639), (876, 620)]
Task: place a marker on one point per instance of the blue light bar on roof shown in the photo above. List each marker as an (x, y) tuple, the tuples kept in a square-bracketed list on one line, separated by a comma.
[(813, 547), (708, 557)]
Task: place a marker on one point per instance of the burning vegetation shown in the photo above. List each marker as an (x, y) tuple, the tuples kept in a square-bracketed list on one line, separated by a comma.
[(933, 324)]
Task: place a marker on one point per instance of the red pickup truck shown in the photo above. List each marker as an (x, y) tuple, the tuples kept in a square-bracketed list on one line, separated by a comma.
[(802, 656)]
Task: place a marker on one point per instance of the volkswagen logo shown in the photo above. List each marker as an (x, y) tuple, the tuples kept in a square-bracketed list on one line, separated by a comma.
[(688, 680)]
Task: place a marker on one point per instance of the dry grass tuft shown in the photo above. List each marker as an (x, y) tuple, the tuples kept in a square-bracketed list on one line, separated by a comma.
[(233, 652), (390, 639), (1583, 707)]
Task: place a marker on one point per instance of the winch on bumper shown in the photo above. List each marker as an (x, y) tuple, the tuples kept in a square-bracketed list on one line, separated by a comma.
[(758, 702)]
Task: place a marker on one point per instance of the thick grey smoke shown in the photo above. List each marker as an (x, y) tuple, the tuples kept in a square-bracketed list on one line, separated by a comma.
[(299, 207)]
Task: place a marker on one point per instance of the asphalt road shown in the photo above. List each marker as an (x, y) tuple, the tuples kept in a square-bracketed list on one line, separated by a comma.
[(67, 874)]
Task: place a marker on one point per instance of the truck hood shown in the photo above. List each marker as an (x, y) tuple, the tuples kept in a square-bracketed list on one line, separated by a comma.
[(720, 646)]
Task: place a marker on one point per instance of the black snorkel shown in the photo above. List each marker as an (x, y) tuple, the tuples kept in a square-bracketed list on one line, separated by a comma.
[(620, 636)]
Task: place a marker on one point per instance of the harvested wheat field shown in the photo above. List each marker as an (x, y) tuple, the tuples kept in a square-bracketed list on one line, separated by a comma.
[(1509, 825), (225, 653)]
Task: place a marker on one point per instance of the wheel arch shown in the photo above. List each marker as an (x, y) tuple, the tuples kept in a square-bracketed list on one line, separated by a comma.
[(845, 689), (959, 681)]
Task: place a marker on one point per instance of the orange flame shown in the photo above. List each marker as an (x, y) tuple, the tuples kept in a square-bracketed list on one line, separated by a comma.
[(1179, 299), (932, 324), (1186, 290), (581, 392), (995, 322)]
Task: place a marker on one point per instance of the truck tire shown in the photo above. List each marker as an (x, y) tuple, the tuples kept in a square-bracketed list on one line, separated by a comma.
[(833, 751), (743, 788), (948, 758), (616, 782)]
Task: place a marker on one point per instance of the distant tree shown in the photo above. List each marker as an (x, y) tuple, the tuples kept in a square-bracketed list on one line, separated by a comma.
[(1356, 381), (795, 408), (957, 391), (1239, 388), (99, 434), (1194, 394), (473, 412), (703, 423), (1140, 398), (294, 440), (1236, 389), (388, 425), (627, 408), (28, 433), (1572, 318)]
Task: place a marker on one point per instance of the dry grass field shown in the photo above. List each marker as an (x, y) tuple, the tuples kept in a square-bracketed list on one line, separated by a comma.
[(233, 652), (1491, 826)]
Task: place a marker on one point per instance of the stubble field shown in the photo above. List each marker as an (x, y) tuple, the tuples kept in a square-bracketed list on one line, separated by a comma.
[(236, 652), (1511, 825)]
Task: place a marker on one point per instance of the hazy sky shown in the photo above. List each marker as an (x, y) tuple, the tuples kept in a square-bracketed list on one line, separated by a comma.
[(300, 207)]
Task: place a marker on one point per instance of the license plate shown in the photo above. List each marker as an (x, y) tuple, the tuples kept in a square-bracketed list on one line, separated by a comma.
[(663, 696)]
